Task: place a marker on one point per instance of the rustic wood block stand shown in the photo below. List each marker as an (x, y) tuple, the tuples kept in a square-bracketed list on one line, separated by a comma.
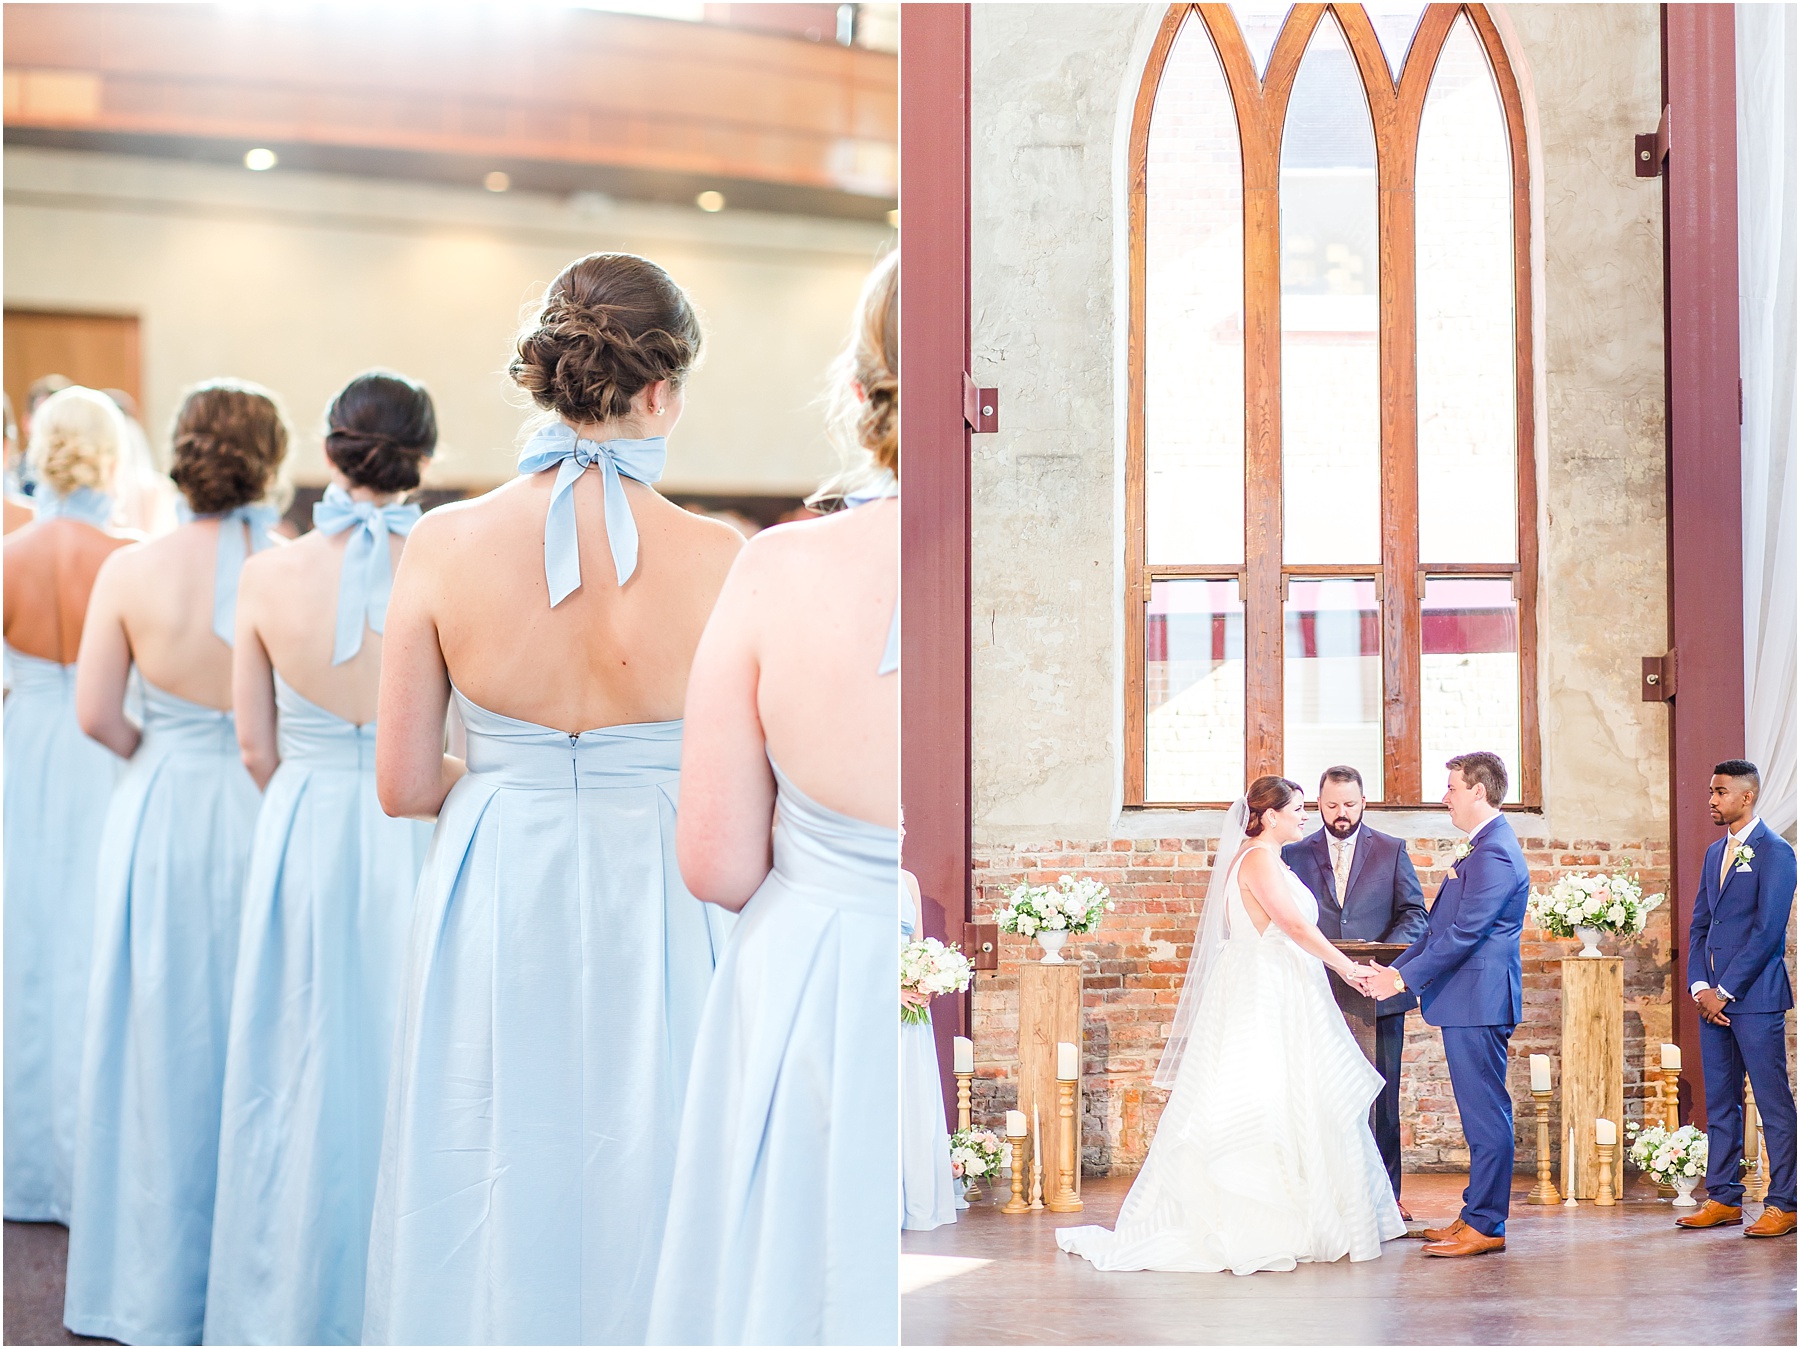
[(1049, 1012), (1593, 1058)]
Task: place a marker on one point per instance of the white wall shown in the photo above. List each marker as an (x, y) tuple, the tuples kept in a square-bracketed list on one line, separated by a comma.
[(298, 281)]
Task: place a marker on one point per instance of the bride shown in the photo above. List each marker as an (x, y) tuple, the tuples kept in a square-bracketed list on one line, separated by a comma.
[(1264, 1157)]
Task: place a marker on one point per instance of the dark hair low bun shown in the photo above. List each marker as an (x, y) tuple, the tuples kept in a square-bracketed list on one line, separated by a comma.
[(1266, 794), (611, 324), (229, 440), (380, 430)]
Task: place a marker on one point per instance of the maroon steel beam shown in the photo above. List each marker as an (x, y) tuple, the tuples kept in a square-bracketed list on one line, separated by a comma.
[(1700, 320), (934, 439)]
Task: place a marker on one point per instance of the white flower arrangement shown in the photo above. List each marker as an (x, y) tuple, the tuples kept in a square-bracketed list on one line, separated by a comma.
[(1664, 1156), (1071, 905), (929, 967), (1742, 856), (975, 1154), (1613, 903), (1462, 849)]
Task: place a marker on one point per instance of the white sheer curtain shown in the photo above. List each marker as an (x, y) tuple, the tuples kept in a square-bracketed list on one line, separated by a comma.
[(1766, 181)]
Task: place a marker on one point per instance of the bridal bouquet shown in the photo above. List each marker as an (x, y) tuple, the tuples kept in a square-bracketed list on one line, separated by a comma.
[(1613, 903), (1070, 905), (975, 1154), (929, 967), (1667, 1157)]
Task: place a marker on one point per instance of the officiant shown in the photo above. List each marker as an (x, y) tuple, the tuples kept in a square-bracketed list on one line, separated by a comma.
[(1367, 891)]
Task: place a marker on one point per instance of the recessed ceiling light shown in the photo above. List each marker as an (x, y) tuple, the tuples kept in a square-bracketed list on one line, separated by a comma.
[(894, 218), (259, 159), (497, 181), (710, 201)]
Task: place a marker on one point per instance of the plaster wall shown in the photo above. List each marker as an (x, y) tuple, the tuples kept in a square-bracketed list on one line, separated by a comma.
[(300, 280)]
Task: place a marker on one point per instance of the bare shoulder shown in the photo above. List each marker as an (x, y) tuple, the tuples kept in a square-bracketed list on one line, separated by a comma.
[(455, 522), (287, 558), (801, 547)]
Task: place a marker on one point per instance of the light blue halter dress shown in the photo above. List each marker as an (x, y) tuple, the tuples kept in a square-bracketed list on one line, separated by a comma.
[(928, 1195), (326, 907), (784, 1227), (58, 783), (555, 972), (169, 895)]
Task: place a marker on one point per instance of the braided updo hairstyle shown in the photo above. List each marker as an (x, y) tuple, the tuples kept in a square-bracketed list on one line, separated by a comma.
[(230, 439), (871, 364), (611, 324), (380, 430)]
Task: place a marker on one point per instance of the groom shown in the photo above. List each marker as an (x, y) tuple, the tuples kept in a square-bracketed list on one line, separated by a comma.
[(1466, 972)]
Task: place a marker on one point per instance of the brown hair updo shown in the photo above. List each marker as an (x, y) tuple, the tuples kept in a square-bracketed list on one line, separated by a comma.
[(611, 324), (229, 440), (380, 430), (1268, 793), (871, 363)]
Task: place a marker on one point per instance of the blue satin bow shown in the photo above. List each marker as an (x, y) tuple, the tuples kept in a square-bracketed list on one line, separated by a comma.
[(86, 504), (233, 550), (880, 490), (368, 575), (557, 444)]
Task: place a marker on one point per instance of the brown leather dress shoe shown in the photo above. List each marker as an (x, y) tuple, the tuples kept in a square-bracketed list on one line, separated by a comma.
[(1449, 1233), (1466, 1242), (1774, 1222), (1712, 1214)]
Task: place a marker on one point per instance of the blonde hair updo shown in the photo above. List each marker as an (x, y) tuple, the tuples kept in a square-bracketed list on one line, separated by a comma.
[(76, 435), (871, 363)]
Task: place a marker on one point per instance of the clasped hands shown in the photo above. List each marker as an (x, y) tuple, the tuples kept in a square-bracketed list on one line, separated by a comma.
[(1372, 980)]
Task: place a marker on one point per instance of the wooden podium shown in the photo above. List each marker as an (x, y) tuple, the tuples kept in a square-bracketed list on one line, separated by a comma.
[(1049, 1012), (1593, 1062)]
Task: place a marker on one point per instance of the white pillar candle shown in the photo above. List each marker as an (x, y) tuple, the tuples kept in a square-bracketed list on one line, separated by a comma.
[(1672, 1057), (1068, 1062), (1015, 1123), (1540, 1072), (1606, 1133), (962, 1055)]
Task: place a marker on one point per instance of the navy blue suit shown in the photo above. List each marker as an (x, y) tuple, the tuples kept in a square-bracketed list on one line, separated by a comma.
[(1736, 943), (1383, 902), (1467, 972)]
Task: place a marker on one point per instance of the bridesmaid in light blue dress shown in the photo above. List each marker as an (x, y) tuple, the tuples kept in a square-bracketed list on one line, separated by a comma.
[(58, 783), (928, 1196), (556, 966), (170, 884), (784, 1225), (330, 891)]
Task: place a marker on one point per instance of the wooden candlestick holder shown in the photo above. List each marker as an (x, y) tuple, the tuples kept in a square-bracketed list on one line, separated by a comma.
[(1017, 1203), (1603, 1193), (1671, 1099), (971, 1191), (1756, 1182), (1545, 1191), (1065, 1200)]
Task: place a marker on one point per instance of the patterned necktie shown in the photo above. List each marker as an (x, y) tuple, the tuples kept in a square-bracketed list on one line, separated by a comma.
[(1340, 865)]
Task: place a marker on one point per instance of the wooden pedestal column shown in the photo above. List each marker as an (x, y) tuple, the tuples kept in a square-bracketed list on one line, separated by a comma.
[(1049, 1012), (1593, 1058)]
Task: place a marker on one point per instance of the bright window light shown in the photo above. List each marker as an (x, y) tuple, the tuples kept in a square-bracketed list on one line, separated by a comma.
[(684, 10), (497, 181), (710, 201), (259, 159)]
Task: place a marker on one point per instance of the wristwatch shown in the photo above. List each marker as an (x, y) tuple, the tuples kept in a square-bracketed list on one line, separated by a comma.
[(1399, 981)]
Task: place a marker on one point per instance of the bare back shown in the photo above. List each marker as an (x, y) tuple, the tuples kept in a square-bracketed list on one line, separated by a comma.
[(51, 566), (287, 601), (830, 720), (607, 655)]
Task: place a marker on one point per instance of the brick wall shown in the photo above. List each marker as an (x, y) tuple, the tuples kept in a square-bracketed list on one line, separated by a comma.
[(1132, 970)]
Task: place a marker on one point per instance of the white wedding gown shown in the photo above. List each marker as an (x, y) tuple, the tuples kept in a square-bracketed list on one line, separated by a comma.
[(1263, 1157)]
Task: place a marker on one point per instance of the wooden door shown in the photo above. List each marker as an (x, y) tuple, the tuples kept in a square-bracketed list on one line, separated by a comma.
[(98, 350)]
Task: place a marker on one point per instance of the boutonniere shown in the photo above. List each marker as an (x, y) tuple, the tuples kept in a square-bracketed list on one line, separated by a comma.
[(1742, 856), (1460, 851)]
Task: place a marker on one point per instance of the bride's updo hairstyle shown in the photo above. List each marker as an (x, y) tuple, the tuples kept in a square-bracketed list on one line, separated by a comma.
[(230, 439), (611, 324), (1265, 794), (76, 435), (380, 430)]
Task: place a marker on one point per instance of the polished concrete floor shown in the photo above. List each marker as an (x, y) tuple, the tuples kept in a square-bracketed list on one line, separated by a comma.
[(36, 1256), (1587, 1275)]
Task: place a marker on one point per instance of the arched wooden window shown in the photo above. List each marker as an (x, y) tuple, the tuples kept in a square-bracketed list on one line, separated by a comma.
[(1331, 546)]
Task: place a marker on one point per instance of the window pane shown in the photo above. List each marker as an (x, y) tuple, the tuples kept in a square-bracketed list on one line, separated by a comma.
[(1331, 668), (1194, 691), (1260, 21), (1395, 26), (1468, 464), (1469, 675), (1193, 314), (1330, 358)]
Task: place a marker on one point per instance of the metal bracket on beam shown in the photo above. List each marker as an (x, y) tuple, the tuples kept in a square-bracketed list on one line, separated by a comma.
[(981, 407), (1653, 149), (981, 944), (1659, 678)]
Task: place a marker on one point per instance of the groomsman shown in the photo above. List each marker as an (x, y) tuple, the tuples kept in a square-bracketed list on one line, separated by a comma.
[(1367, 891), (1740, 981)]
